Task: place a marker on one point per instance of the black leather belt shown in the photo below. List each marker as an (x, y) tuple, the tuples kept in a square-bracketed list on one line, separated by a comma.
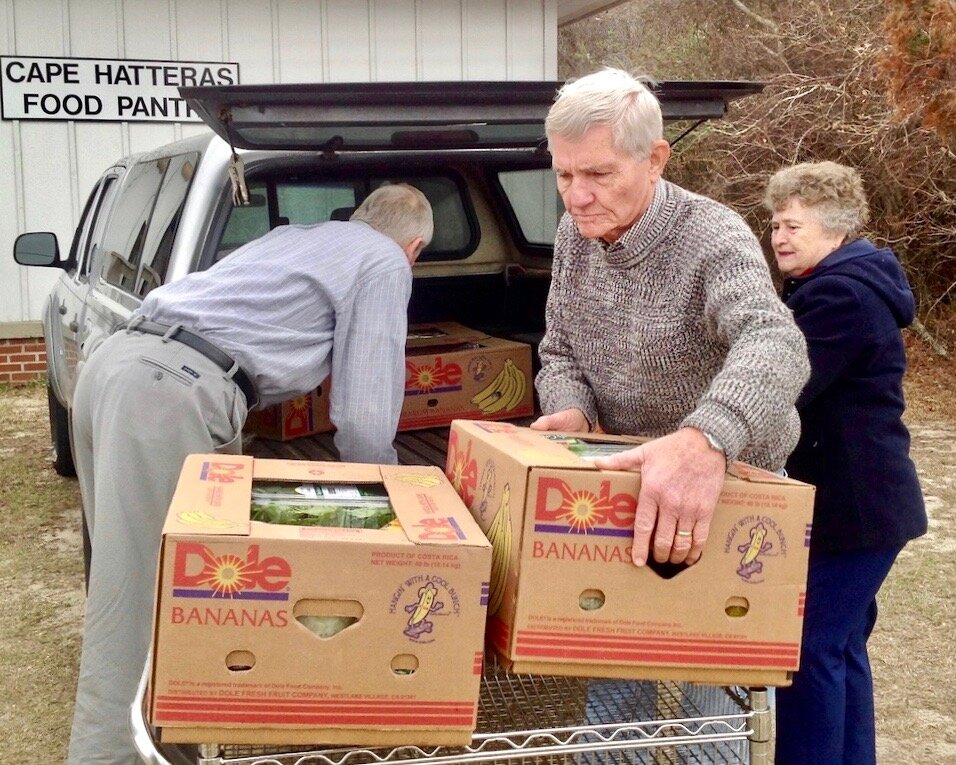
[(200, 344)]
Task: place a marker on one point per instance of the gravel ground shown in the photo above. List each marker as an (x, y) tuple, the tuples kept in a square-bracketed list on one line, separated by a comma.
[(41, 577)]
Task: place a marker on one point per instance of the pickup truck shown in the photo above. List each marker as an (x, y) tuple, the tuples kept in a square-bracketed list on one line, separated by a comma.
[(303, 154)]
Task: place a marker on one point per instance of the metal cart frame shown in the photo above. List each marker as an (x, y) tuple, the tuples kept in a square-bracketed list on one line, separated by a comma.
[(525, 718), (571, 713)]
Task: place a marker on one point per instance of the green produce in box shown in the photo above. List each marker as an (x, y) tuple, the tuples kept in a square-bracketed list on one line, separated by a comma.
[(344, 506)]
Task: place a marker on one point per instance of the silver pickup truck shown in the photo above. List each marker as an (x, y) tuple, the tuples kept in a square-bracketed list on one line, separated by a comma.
[(304, 154)]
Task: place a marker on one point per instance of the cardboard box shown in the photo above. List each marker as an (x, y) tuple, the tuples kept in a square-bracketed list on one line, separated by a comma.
[(566, 598), (233, 661), (451, 371), (302, 416)]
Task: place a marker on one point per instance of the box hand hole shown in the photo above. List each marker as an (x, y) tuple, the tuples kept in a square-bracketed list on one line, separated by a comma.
[(666, 570), (591, 600), (240, 661), (327, 618), (736, 606), (404, 664)]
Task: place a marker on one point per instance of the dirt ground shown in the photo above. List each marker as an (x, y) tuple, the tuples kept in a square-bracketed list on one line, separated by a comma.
[(41, 610), (912, 647)]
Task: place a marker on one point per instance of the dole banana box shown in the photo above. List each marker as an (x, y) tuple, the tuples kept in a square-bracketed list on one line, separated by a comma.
[(304, 415), (567, 600), (450, 371), (235, 656)]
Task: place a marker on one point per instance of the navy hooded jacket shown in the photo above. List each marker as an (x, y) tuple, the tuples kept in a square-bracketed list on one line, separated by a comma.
[(854, 446)]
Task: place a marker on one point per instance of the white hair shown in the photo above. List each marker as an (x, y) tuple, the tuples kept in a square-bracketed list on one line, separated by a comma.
[(609, 97), (399, 211)]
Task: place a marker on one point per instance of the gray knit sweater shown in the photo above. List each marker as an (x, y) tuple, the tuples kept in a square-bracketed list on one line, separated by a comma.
[(675, 324)]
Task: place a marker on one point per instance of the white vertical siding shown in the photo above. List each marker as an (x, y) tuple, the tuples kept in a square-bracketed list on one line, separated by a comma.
[(11, 277), (297, 46), (95, 32), (46, 196), (48, 168), (393, 40), (485, 41), (347, 41), (439, 43), (251, 39)]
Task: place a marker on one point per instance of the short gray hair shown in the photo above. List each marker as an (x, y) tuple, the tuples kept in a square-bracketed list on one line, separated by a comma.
[(399, 211), (609, 97), (831, 191)]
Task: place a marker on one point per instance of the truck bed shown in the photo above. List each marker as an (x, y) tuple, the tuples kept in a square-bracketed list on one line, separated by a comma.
[(418, 447)]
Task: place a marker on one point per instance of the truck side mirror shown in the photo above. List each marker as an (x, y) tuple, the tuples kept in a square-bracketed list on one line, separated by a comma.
[(39, 248)]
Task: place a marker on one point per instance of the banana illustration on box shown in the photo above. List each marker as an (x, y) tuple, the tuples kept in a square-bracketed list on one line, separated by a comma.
[(499, 534), (202, 518), (504, 392)]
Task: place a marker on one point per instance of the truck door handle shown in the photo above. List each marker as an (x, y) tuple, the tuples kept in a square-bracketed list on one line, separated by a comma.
[(62, 309), (74, 327)]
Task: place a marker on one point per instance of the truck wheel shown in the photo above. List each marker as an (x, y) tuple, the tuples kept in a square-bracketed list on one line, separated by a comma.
[(60, 435)]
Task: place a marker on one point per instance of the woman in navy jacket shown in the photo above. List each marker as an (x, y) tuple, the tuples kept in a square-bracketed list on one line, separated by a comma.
[(850, 299)]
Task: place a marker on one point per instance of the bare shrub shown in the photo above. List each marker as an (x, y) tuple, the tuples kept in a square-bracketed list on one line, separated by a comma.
[(826, 97), (921, 63)]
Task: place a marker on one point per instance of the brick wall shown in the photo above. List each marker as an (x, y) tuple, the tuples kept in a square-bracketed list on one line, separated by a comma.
[(22, 359)]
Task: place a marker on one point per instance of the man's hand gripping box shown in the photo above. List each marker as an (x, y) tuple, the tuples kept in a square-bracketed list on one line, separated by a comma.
[(234, 660), (566, 598)]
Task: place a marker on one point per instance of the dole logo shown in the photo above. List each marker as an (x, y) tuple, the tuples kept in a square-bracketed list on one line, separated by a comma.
[(199, 573), (221, 472), (431, 529), (431, 378), (559, 509)]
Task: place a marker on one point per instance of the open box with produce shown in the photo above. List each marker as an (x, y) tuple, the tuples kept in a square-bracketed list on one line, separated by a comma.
[(317, 602)]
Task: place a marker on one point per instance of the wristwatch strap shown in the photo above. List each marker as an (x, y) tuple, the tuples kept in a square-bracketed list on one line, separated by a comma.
[(714, 443)]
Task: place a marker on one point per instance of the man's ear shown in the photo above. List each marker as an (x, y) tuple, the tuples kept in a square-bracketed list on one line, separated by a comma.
[(660, 153), (413, 249)]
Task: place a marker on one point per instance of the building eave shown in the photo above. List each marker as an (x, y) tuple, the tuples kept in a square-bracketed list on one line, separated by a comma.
[(575, 10)]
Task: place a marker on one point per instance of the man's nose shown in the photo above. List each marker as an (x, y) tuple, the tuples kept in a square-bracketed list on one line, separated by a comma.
[(578, 193)]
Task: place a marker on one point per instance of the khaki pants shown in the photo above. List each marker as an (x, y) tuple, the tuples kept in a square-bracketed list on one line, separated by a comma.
[(141, 405)]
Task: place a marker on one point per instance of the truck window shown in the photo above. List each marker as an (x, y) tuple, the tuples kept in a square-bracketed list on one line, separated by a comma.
[(282, 203), (278, 202), (126, 232), (103, 201), (246, 223), (307, 203), (92, 261), (81, 236), (455, 226), (533, 198), (164, 221)]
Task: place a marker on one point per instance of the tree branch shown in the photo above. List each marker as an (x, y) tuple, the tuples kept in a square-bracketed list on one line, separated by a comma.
[(938, 348), (763, 21)]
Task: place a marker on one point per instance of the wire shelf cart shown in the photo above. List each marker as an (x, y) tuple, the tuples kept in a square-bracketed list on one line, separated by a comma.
[(539, 720), (544, 720)]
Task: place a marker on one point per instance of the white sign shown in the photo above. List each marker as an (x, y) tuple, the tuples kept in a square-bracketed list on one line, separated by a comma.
[(116, 90)]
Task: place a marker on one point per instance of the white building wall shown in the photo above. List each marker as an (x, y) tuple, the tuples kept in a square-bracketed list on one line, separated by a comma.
[(47, 168)]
